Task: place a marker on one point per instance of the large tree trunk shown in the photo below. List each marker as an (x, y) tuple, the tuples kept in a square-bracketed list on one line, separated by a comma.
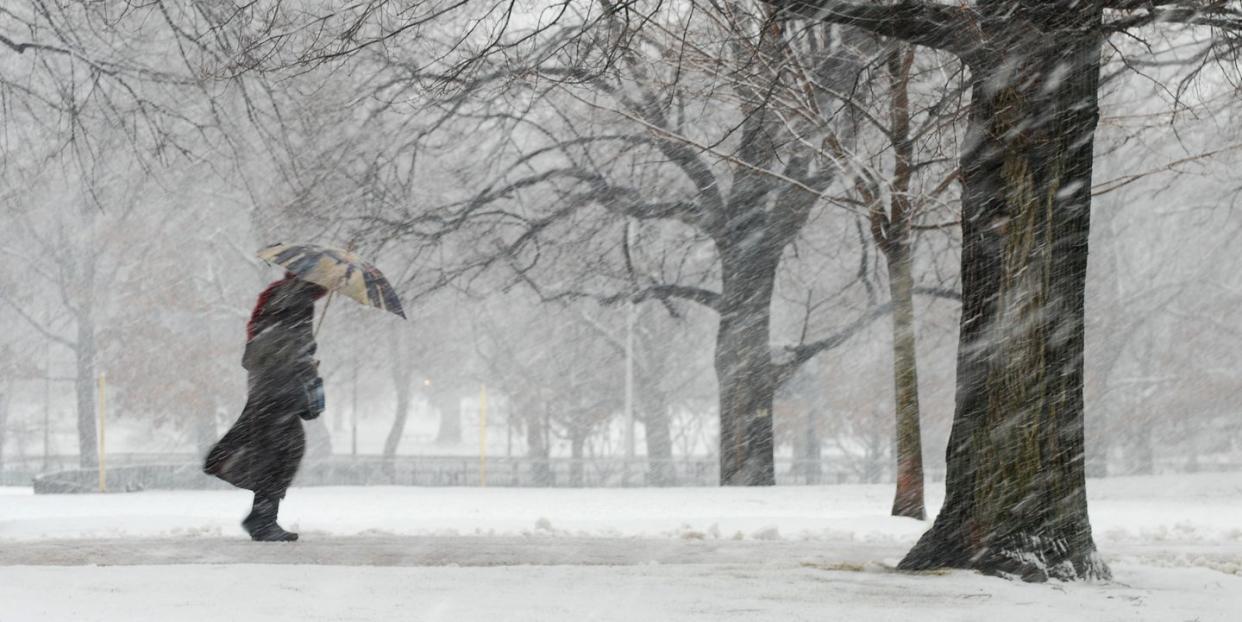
[(744, 367), (908, 500), (1015, 487)]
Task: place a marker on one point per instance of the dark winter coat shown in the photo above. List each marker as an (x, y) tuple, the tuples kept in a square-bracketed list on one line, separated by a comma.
[(262, 451)]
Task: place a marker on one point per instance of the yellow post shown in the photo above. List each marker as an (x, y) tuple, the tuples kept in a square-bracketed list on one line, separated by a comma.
[(482, 435), (103, 481)]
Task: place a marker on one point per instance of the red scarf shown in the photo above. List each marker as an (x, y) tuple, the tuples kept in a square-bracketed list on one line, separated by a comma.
[(261, 304)]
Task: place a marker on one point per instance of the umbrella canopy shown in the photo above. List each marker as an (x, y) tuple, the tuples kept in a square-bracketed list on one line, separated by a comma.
[(338, 270)]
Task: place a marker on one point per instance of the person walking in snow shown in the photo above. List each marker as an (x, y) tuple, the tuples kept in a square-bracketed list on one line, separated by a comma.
[(263, 449)]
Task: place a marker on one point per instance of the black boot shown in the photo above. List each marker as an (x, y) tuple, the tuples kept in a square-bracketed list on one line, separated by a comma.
[(261, 522)]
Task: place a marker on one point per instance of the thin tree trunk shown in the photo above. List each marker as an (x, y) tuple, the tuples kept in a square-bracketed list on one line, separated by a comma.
[(892, 233), (744, 369), (908, 500), (402, 384), (86, 350), (659, 440), (812, 451), (537, 448), (84, 386), (402, 373), (1015, 486), (577, 439)]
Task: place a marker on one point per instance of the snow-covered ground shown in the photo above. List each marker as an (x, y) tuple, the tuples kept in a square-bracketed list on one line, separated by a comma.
[(631, 593), (789, 553)]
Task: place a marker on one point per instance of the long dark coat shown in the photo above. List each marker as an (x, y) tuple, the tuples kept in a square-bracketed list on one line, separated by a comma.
[(263, 449)]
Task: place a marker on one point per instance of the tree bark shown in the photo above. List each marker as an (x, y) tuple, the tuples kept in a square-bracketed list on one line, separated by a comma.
[(744, 367), (1015, 487), (908, 500)]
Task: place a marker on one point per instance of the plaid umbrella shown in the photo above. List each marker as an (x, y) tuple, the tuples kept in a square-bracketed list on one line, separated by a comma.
[(338, 270)]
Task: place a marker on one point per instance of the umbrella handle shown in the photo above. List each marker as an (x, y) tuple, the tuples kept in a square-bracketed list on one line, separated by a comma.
[(349, 248), (323, 315)]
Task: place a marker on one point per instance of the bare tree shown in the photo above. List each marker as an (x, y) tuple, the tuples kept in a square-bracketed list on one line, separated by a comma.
[(76, 255), (749, 197)]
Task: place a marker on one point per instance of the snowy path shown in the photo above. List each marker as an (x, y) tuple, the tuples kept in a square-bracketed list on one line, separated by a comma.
[(441, 551), (484, 551)]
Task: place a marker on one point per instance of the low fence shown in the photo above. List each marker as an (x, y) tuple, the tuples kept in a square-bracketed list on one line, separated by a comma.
[(21, 470), (155, 471), (132, 472), (131, 478)]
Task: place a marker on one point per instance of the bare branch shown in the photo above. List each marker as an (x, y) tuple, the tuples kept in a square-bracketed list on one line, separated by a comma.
[(950, 28)]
